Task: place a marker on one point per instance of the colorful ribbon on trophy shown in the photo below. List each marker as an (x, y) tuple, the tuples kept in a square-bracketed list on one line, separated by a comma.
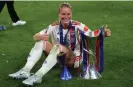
[(100, 52)]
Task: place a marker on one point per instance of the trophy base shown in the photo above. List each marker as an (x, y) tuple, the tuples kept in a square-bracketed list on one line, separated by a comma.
[(90, 74)]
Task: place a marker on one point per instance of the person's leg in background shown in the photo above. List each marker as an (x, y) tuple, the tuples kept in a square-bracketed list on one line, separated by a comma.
[(14, 17), (2, 4)]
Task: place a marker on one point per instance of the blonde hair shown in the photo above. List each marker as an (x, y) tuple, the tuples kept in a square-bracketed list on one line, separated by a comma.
[(65, 4)]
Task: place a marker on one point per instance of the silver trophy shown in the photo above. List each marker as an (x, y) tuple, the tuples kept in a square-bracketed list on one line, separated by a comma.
[(90, 72)]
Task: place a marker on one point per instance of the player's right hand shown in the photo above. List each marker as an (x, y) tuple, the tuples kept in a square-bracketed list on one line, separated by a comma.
[(45, 37)]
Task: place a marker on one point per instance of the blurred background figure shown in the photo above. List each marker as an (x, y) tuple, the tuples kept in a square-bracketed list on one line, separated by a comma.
[(14, 17), (2, 28)]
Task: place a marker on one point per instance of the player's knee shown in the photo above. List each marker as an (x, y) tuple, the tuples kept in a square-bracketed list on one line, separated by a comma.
[(47, 46), (63, 49), (38, 45)]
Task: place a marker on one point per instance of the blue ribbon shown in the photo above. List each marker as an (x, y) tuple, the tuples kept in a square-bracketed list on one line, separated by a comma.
[(101, 65), (63, 41)]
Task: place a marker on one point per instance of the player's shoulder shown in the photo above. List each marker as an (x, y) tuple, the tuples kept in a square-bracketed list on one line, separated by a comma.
[(55, 23), (74, 22)]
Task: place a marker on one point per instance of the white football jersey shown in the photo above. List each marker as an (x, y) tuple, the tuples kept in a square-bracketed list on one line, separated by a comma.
[(53, 31)]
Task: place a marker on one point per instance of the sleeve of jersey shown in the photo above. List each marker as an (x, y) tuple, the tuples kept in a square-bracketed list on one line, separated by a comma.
[(88, 32), (46, 30)]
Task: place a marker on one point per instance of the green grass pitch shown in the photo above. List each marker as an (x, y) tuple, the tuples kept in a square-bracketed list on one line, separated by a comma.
[(16, 42)]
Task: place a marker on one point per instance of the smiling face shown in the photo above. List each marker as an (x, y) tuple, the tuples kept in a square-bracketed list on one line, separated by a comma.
[(65, 15)]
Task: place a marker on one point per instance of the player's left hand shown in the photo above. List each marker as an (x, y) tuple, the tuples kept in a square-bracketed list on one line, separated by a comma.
[(107, 31)]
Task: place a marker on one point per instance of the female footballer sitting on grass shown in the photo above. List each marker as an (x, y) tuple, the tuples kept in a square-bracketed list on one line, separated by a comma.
[(63, 39)]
